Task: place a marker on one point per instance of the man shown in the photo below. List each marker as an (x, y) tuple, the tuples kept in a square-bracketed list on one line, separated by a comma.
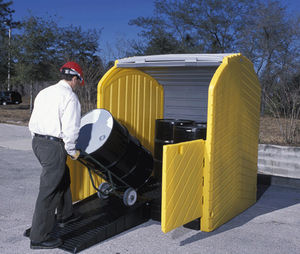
[(54, 125)]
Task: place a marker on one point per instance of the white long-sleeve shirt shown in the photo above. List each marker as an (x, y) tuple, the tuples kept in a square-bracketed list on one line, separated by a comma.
[(57, 113)]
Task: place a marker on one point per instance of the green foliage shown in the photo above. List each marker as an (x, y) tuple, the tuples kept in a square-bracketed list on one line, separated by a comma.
[(41, 47), (5, 22), (75, 44), (5, 15), (34, 50)]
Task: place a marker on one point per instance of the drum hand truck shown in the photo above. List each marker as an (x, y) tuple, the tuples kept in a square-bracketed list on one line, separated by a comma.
[(129, 196)]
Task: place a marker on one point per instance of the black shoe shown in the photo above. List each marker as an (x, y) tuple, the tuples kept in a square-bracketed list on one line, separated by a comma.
[(51, 243), (63, 222), (27, 232)]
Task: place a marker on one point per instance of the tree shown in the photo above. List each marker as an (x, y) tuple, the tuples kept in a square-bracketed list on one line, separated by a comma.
[(34, 50), (42, 47), (75, 44), (6, 23), (269, 39), (193, 25), (261, 30), (93, 70), (159, 39), (284, 104), (82, 48)]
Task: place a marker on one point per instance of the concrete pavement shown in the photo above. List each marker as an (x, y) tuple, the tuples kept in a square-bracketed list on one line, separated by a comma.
[(15, 137), (272, 225)]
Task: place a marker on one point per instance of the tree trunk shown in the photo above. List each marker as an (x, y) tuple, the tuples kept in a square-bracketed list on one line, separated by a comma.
[(262, 104), (31, 96)]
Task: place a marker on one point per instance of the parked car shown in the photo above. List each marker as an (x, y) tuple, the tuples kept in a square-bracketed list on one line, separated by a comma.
[(10, 97)]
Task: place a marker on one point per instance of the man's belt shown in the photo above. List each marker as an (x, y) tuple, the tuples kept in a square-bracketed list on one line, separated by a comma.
[(48, 137)]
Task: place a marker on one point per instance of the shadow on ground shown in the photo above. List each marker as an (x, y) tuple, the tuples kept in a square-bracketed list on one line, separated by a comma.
[(269, 199)]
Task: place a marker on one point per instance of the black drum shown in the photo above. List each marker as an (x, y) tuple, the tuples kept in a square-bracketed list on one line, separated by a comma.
[(183, 122), (164, 135), (157, 169), (202, 127), (109, 143), (189, 132), (186, 133)]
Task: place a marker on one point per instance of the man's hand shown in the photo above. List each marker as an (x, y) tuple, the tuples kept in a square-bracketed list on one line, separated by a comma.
[(76, 155)]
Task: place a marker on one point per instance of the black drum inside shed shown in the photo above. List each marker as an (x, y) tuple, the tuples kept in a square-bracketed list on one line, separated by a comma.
[(109, 142), (202, 128), (164, 135), (189, 132)]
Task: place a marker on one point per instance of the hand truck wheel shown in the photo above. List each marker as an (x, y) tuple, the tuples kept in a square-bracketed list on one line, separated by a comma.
[(104, 190), (129, 197)]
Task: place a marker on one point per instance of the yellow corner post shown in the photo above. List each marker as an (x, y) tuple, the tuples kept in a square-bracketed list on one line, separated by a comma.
[(232, 142)]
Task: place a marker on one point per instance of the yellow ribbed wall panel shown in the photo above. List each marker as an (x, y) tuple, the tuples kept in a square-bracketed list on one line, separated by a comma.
[(81, 186), (181, 183), (230, 170), (80, 181), (135, 99)]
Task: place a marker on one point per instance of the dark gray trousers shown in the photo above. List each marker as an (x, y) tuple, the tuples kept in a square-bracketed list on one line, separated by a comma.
[(54, 191)]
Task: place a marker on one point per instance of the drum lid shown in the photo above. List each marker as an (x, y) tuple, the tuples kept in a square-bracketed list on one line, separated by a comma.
[(95, 128)]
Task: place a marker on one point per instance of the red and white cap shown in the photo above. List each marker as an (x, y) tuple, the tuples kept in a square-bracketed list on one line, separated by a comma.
[(73, 68)]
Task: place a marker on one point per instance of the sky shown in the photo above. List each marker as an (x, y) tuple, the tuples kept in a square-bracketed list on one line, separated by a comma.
[(110, 15)]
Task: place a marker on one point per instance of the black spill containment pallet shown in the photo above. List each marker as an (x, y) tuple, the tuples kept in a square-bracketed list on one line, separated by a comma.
[(101, 219)]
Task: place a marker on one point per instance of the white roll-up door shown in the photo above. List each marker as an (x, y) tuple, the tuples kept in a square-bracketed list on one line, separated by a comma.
[(185, 78), (185, 90)]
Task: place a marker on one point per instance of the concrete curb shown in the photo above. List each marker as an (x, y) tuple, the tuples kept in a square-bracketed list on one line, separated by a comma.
[(283, 161)]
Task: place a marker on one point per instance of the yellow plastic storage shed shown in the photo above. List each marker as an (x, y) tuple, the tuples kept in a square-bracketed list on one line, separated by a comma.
[(214, 179)]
